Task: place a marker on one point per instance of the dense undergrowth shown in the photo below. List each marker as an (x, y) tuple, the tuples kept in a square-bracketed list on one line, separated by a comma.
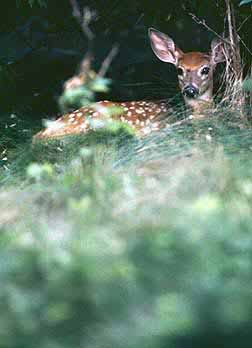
[(120, 242)]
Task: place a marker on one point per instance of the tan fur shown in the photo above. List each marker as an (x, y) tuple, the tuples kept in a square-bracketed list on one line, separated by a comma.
[(145, 116), (193, 60)]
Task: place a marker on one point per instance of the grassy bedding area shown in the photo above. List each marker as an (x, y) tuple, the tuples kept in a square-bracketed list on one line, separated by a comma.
[(112, 241)]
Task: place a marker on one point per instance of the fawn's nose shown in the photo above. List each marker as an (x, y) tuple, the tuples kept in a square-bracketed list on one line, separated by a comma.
[(191, 91)]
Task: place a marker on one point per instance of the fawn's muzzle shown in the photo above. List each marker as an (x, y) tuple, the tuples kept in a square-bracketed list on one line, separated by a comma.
[(191, 91)]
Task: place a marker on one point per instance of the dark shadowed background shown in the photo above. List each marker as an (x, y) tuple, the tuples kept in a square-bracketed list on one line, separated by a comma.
[(41, 46)]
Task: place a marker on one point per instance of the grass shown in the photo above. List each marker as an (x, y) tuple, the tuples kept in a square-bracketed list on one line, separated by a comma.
[(126, 243)]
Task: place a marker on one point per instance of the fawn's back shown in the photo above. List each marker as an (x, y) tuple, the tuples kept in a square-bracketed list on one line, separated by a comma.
[(195, 75)]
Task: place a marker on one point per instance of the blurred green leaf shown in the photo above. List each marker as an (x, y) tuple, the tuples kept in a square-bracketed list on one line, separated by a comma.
[(245, 2), (100, 85), (247, 84), (38, 171)]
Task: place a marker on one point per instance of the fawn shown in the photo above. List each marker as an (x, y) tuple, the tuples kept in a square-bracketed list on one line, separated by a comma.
[(195, 75)]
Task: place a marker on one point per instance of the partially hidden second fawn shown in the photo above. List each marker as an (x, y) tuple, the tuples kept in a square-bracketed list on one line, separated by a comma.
[(195, 75)]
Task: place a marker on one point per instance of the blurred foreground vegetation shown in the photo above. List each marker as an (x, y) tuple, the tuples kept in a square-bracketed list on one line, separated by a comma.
[(129, 243), (108, 240)]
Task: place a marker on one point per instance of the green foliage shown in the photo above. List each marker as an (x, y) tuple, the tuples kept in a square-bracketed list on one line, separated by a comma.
[(76, 97), (245, 2), (247, 85), (100, 85), (111, 241), (38, 171), (83, 95), (142, 244)]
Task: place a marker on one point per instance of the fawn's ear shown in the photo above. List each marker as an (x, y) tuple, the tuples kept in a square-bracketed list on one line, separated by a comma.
[(164, 47), (217, 51)]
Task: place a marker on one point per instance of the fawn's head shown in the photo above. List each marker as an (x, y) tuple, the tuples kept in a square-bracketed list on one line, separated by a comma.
[(194, 69)]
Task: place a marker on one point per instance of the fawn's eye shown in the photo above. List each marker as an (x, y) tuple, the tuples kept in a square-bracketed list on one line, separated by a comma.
[(205, 70), (180, 71)]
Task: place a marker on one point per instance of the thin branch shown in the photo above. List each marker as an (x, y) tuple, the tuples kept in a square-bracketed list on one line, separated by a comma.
[(230, 21), (88, 17), (76, 9), (203, 22), (107, 61), (244, 45), (245, 20), (84, 19), (86, 62)]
